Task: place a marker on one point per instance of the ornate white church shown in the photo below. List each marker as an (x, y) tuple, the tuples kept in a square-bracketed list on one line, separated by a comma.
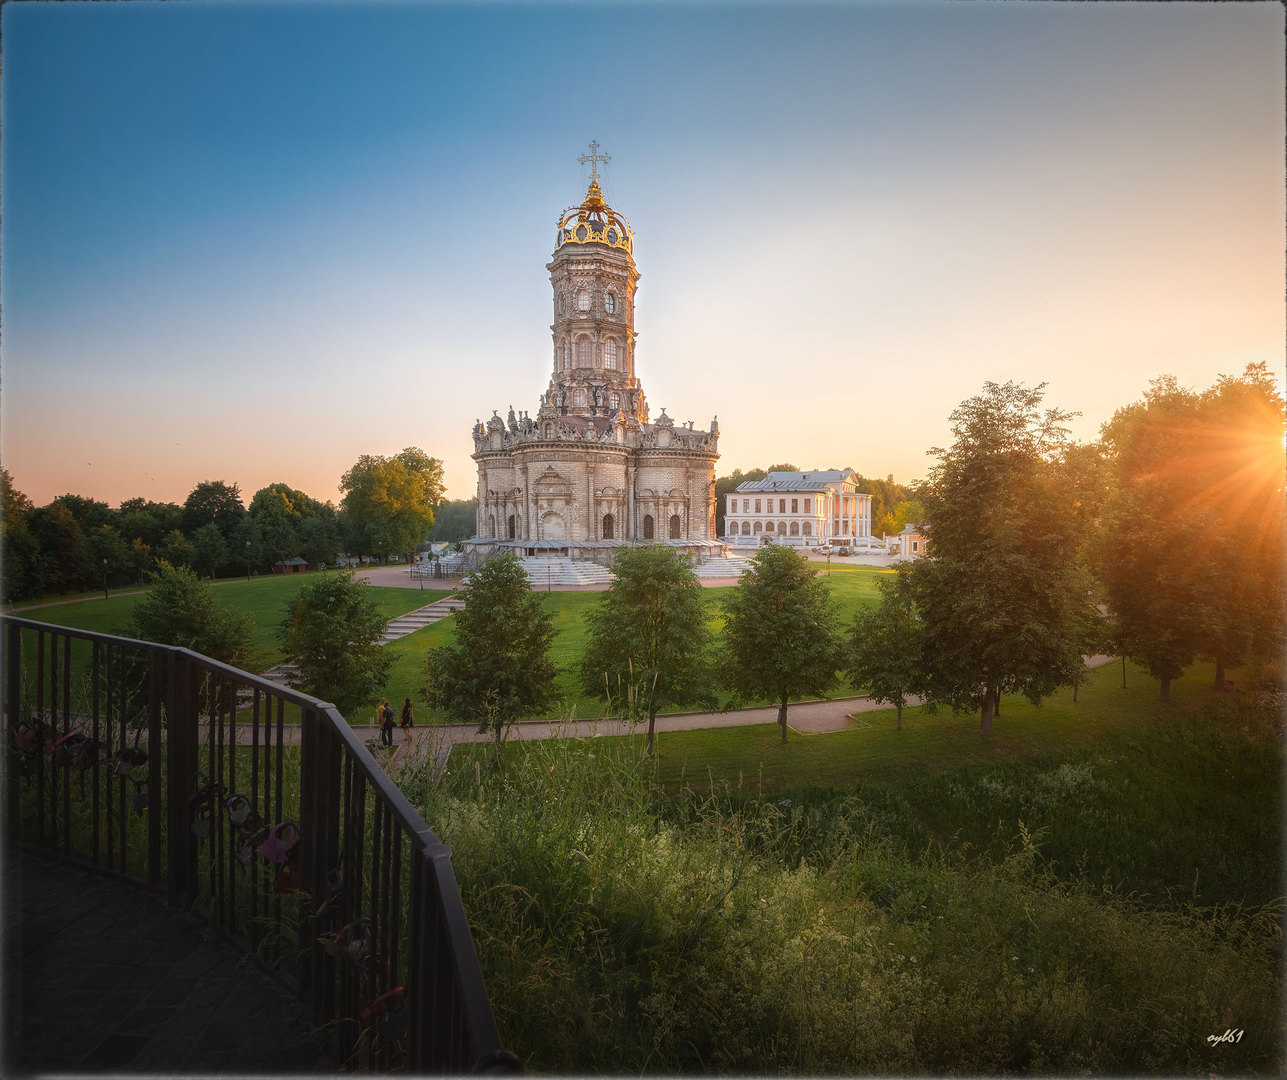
[(591, 471)]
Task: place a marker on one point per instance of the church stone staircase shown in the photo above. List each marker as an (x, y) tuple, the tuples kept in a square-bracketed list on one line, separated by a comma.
[(420, 618), (560, 570), (721, 567)]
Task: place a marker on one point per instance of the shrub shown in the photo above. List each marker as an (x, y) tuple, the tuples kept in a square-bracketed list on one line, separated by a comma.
[(622, 930)]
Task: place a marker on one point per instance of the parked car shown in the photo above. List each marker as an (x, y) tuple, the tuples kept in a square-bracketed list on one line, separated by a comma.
[(843, 551)]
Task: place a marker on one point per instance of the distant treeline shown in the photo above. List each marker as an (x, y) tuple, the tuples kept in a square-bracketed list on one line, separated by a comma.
[(77, 544)]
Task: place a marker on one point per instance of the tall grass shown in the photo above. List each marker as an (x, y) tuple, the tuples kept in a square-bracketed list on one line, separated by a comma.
[(622, 928)]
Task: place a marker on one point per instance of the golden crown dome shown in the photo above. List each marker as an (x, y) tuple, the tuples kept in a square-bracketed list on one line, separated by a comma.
[(594, 222)]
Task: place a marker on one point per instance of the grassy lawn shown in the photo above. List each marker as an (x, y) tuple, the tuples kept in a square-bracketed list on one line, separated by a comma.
[(265, 599), (853, 588), (874, 751)]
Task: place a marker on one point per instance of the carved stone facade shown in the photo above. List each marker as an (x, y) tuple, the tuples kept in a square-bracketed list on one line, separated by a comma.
[(591, 471)]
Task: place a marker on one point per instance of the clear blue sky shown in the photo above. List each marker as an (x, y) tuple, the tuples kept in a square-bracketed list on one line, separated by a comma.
[(251, 241)]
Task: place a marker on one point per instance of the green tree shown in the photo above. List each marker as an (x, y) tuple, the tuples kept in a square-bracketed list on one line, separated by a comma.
[(780, 632), (210, 550), (648, 635), (1003, 597), (331, 637), (141, 519), (176, 549), (179, 610), (885, 646), (1192, 560), (20, 571), (213, 500), (111, 555), (388, 502), (140, 561), (455, 519), (65, 562), (320, 536), (279, 513), (498, 669)]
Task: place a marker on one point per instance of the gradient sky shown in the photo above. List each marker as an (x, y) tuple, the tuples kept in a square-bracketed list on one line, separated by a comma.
[(251, 241)]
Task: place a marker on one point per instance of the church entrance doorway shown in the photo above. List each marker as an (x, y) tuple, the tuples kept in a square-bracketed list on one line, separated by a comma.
[(647, 527), (674, 526)]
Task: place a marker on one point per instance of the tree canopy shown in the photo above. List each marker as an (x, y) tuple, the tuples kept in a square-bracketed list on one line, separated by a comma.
[(1002, 594), (455, 519), (780, 632), (1193, 555), (498, 669), (885, 645), (179, 610), (648, 637), (213, 500), (389, 502), (331, 637)]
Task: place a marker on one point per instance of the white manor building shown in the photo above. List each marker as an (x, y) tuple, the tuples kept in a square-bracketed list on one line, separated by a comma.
[(806, 509)]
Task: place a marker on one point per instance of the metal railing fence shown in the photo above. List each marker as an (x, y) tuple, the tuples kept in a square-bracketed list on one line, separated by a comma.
[(260, 809)]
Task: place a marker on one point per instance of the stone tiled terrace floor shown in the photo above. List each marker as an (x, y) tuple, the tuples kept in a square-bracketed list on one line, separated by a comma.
[(102, 977)]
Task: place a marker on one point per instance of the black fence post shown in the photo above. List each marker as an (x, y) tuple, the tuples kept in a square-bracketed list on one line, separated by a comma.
[(181, 778), (156, 699), (12, 703), (319, 811)]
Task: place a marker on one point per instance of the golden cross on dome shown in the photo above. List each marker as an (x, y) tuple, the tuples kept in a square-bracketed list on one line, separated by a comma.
[(593, 157)]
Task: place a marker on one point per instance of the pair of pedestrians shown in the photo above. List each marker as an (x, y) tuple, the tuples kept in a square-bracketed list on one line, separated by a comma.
[(384, 714)]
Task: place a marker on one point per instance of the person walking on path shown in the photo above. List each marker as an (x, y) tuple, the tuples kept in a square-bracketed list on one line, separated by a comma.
[(385, 715), (406, 722)]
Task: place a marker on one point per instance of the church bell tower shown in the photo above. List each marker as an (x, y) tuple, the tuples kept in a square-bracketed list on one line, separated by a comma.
[(593, 277), (591, 471)]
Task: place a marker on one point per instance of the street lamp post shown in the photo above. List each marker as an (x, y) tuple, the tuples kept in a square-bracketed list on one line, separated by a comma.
[(247, 560), (828, 564), (104, 579)]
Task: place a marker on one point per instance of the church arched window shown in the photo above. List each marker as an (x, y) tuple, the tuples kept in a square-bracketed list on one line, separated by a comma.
[(607, 526), (674, 526), (614, 401), (647, 527), (578, 398), (610, 354), (565, 352), (584, 351), (609, 303), (583, 300)]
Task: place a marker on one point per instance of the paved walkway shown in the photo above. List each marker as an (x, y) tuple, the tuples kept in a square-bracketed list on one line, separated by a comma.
[(101, 976)]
